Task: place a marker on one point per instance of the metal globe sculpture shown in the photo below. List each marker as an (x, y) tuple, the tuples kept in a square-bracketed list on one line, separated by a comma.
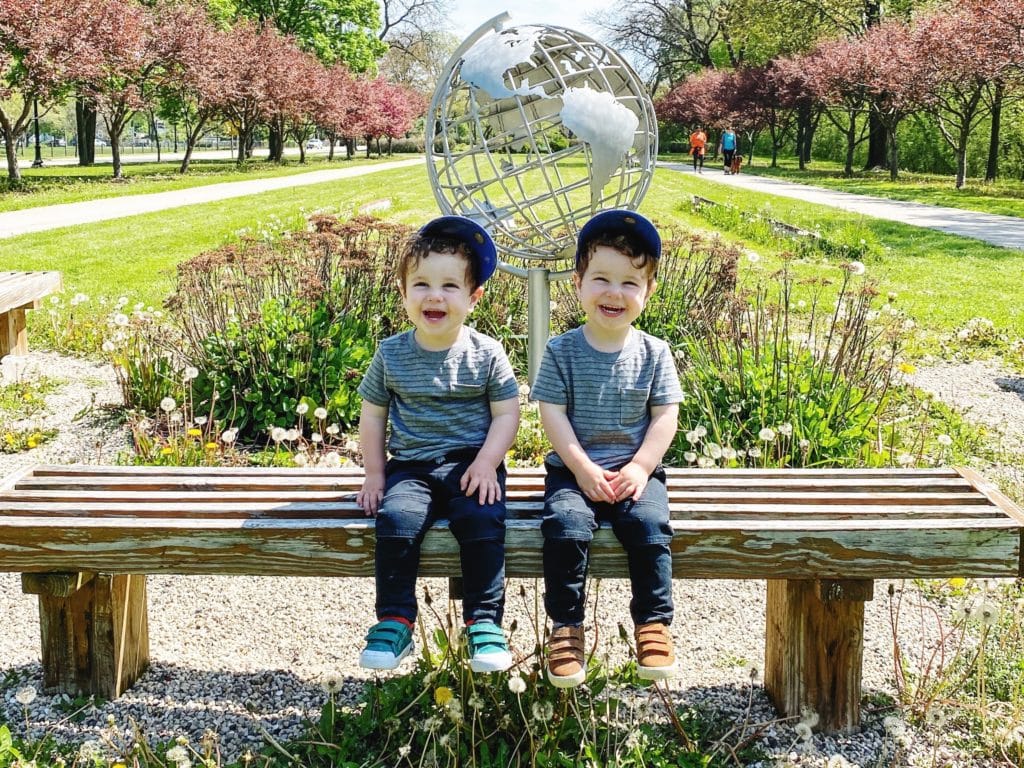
[(532, 130)]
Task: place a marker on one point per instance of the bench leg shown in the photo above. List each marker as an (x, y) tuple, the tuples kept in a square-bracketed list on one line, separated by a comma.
[(13, 336), (96, 639), (814, 648)]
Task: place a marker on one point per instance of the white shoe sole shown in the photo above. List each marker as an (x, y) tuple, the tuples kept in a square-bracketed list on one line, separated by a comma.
[(657, 673), (567, 681), (382, 660), (491, 662)]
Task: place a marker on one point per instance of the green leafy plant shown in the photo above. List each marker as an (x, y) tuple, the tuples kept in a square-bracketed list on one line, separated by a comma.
[(768, 386), (272, 324)]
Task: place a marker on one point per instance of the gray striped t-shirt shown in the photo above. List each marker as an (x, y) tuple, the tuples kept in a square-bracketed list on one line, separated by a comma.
[(438, 402), (608, 395)]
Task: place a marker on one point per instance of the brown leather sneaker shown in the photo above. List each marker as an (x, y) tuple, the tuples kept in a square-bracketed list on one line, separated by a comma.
[(567, 666), (654, 655)]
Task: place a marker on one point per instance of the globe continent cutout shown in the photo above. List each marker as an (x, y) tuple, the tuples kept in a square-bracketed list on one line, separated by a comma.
[(533, 130)]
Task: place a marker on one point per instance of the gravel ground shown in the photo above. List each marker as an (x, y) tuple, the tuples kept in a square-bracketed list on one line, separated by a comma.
[(239, 654)]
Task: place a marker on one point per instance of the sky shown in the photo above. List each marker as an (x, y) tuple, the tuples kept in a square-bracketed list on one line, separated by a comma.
[(467, 15)]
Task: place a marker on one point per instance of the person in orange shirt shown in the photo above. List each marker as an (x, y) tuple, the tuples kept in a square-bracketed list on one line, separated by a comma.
[(698, 143)]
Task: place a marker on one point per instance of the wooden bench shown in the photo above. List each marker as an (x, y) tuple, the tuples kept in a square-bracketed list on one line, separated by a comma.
[(21, 291), (85, 537)]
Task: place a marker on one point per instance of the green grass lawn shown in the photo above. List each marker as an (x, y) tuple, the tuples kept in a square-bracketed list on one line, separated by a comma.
[(1004, 197), (942, 280), (53, 185)]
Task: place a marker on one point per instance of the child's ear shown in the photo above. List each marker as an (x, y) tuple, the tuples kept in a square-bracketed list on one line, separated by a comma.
[(401, 287), (652, 284), (474, 297)]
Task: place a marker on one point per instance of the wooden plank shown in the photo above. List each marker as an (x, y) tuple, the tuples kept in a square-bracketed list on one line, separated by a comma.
[(345, 548), (20, 288), (327, 482), (300, 509), (55, 584), (513, 494), (98, 470)]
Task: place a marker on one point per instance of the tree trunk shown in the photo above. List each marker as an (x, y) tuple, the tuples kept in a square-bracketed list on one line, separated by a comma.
[(350, 148), (878, 156), (894, 155), (115, 153), (10, 147), (369, 143), (803, 130), (330, 148), (992, 167), (851, 144), (85, 130)]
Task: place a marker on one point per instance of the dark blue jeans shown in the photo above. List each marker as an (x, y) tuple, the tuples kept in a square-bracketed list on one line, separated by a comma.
[(416, 493), (643, 528)]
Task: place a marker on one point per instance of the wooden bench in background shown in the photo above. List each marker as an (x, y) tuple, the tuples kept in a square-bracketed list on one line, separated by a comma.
[(85, 537), (21, 291)]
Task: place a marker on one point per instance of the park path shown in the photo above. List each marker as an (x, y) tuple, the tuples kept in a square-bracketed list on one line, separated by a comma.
[(1004, 231), (46, 217)]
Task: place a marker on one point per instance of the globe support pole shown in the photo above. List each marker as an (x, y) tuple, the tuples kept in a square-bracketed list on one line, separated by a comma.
[(538, 307)]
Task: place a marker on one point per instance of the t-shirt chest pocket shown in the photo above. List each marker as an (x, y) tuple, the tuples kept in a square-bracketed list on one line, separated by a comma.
[(466, 391), (632, 405)]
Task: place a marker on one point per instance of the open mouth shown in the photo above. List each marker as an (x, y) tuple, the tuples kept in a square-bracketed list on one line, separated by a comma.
[(434, 314), (611, 311)]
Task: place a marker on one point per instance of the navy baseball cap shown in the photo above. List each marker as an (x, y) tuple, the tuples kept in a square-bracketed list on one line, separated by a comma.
[(620, 222), (472, 234)]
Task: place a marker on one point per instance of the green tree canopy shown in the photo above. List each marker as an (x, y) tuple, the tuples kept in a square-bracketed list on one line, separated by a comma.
[(333, 30)]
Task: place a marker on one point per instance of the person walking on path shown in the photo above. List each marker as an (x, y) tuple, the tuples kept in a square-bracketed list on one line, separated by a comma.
[(728, 146), (698, 144)]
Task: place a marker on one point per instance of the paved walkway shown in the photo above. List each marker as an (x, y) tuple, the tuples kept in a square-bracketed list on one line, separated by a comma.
[(22, 222), (1004, 231)]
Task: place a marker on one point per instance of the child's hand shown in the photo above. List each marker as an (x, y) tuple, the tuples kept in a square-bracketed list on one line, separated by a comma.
[(370, 495), (629, 482), (483, 478), (594, 482)]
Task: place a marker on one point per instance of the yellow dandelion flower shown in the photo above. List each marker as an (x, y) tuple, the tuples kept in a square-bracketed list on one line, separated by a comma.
[(27, 397), (211, 446), (908, 368), (958, 582), (443, 695), (193, 432), (166, 450), (31, 443)]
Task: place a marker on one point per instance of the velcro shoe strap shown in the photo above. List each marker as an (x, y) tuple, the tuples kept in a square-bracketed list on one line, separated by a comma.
[(486, 635), (391, 633)]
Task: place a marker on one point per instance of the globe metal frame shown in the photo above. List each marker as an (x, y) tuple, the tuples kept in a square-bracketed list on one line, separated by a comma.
[(483, 183)]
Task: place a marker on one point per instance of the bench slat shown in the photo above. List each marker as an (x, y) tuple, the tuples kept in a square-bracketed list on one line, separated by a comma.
[(20, 288), (327, 482), (101, 470), (197, 511), (862, 498), (338, 548)]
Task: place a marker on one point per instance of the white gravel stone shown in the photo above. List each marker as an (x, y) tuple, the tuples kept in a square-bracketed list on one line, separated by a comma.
[(241, 654)]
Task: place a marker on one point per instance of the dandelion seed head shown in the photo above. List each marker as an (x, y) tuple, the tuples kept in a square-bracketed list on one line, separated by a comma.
[(320, 413), (302, 408), (517, 685), (25, 695), (168, 404)]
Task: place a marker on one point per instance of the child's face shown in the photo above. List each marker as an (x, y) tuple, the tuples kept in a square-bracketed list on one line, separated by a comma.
[(613, 291), (437, 297)]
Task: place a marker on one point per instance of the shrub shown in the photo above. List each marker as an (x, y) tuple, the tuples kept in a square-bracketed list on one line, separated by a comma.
[(271, 324), (766, 387)]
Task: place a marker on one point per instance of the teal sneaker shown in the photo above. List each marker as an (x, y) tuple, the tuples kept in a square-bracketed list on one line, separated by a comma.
[(387, 643), (488, 649)]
